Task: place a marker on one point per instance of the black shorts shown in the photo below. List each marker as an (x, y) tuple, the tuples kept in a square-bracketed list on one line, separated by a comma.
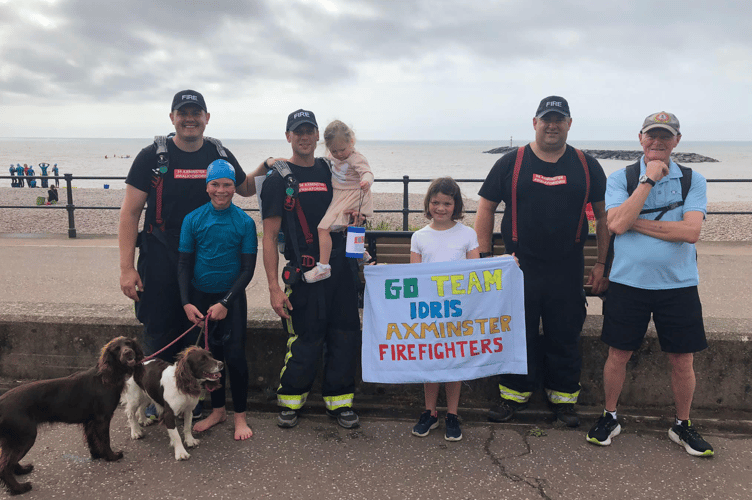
[(677, 314)]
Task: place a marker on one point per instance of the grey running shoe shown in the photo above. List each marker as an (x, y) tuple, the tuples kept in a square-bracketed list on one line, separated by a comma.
[(346, 418), (287, 418)]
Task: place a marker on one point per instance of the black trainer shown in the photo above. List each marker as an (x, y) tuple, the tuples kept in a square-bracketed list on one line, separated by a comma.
[(685, 435), (453, 431), (566, 413), (505, 411), (426, 424), (345, 418), (604, 429), (287, 418)]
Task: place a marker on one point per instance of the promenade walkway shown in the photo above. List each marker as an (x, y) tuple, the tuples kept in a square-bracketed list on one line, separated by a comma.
[(56, 279)]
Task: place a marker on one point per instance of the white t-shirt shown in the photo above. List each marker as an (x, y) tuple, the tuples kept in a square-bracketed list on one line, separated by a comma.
[(444, 246)]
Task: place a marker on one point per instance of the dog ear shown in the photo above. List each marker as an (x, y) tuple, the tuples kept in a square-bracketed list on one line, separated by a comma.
[(108, 359), (184, 377)]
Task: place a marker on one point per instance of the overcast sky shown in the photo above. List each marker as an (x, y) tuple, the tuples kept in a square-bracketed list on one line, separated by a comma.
[(407, 69)]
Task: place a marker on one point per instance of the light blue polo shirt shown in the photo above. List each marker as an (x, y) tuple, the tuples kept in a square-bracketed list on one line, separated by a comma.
[(643, 261)]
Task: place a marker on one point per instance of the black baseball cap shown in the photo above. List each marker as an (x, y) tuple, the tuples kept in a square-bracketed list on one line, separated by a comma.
[(188, 97), (298, 118), (553, 104)]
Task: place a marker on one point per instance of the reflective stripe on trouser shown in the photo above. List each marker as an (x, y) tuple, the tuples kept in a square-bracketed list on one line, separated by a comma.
[(324, 321), (512, 395), (292, 401), (557, 397), (337, 402)]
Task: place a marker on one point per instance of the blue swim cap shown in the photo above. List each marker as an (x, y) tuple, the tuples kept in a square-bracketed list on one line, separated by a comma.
[(220, 169)]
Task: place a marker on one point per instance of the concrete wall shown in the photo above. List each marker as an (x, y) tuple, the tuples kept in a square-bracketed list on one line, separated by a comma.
[(47, 348)]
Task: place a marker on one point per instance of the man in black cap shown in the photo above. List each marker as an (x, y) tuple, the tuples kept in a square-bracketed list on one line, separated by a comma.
[(321, 316), (171, 183), (545, 187)]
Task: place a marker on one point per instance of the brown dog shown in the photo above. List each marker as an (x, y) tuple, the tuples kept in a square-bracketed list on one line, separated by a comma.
[(89, 398)]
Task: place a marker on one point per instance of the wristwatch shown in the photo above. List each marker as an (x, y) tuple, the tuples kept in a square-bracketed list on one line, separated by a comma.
[(644, 179)]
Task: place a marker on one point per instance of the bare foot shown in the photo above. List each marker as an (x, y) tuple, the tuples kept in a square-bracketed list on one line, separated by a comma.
[(217, 416), (242, 431)]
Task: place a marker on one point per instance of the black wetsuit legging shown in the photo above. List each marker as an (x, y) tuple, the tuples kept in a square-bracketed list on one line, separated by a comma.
[(227, 344)]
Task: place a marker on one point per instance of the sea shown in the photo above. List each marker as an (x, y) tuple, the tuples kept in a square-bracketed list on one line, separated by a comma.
[(420, 160)]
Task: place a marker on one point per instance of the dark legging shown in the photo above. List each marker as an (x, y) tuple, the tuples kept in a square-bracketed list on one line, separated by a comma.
[(227, 344)]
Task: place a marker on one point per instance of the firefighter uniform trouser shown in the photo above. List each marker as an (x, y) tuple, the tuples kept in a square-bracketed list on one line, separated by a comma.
[(324, 319), (553, 294), (159, 307)]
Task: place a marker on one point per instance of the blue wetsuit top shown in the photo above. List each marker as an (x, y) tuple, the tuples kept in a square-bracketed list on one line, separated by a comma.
[(217, 238)]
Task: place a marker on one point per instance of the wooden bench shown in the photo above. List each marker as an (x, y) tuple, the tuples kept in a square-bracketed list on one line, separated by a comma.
[(393, 247)]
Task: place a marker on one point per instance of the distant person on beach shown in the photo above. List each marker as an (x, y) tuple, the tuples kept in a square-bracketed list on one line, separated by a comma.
[(654, 272), (52, 195), (56, 173), (13, 180), (170, 190), (20, 174), (320, 318), (545, 187), (218, 247), (43, 167), (445, 239), (31, 181), (351, 179)]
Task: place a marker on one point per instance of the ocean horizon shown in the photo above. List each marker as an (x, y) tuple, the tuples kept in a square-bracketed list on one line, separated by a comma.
[(388, 159)]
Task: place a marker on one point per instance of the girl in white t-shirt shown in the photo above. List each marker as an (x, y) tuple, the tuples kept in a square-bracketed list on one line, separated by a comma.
[(443, 240)]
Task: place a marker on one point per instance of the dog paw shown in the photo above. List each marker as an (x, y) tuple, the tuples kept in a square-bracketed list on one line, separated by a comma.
[(136, 433), (191, 442), (20, 470), (182, 455), (113, 456), (22, 488), (146, 422)]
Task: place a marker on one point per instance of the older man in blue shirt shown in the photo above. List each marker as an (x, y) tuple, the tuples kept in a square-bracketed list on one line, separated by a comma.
[(654, 272)]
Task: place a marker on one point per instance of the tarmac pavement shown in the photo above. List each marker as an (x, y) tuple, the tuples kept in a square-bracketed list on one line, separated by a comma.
[(382, 460)]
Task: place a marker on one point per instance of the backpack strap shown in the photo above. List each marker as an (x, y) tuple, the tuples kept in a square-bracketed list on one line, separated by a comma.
[(292, 204)]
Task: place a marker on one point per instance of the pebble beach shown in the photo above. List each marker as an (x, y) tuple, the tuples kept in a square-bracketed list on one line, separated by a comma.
[(54, 220)]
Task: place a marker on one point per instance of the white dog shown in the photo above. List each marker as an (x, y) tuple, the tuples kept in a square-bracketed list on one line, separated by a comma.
[(174, 390)]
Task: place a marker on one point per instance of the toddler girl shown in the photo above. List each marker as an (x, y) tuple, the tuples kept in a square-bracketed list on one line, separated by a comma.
[(351, 180)]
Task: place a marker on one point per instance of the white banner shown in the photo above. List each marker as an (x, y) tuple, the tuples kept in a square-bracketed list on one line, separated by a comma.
[(443, 322)]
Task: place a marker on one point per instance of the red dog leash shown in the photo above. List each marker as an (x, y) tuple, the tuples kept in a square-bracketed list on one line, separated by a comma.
[(205, 328)]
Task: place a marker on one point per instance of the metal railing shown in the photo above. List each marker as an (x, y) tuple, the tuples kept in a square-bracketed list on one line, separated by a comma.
[(405, 210)]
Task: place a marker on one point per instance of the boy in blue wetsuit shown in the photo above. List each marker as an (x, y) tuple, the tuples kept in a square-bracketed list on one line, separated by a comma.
[(218, 245)]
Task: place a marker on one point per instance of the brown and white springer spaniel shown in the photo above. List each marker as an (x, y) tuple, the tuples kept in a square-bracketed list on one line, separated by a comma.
[(89, 398), (174, 390)]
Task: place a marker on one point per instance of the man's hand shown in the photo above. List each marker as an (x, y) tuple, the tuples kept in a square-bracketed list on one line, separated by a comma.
[(656, 170), (193, 314), (596, 279), (217, 312), (280, 302), (130, 283)]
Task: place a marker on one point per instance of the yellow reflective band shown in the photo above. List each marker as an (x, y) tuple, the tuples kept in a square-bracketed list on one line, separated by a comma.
[(336, 402), (512, 395), (562, 397), (293, 402)]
